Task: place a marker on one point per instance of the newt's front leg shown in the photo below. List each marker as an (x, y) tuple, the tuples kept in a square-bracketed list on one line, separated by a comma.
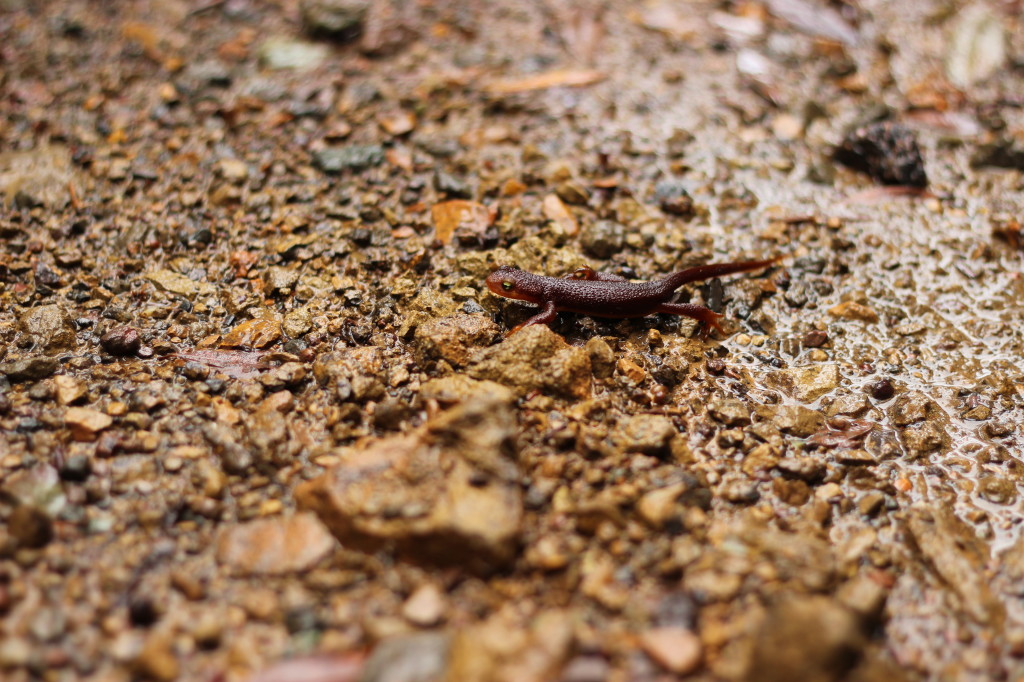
[(707, 317), (545, 316)]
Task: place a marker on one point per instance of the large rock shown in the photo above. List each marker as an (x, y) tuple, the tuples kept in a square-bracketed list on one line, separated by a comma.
[(535, 359), (954, 551), (29, 369), (49, 326), (806, 638), (445, 494), (454, 337), (44, 176)]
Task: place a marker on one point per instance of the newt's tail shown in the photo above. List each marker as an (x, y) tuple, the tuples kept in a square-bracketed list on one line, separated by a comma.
[(702, 272)]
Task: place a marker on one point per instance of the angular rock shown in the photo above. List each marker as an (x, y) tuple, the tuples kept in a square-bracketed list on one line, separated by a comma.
[(535, 359), (86, 423), (39, 487), (812, 639), (888, 152), (44, 176), (279, 278), (997, 489), (409, 658), (730, 411), (453, 338), (506, 648), (256, 333), (233, 170), (953, 550), (925, 425), (445, 494), (458, 388), (649, 434), (30, 526), (603, 238), (851, 310), (913, 407), (50, 327), (425, 607), (122, 341), (659, 506), (275, 546), (157, 660), (459, 218), (676, 649), (602, 357), (797, 420), (805, 384), (30, 368), (175, 283), (352, 157), (353, 372)]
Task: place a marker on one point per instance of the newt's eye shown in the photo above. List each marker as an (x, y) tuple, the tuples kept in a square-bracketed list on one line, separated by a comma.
[(508, 286)]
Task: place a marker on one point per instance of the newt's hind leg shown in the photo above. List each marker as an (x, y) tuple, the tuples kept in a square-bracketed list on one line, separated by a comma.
[(591, 275), (706, 316)]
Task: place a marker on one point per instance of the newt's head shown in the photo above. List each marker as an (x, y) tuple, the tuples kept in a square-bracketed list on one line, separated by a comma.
[(510, 282)]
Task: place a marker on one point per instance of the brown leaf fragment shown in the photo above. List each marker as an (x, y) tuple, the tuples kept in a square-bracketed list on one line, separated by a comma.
[(556, 211), (581, 28), (977, 48), (572, 78), (237, 364), (880, 195), (459, 214), (844, 434), (347, 668), (814, 19), (669, 19)]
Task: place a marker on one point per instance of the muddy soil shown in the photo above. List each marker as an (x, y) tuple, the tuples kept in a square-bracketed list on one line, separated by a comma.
[(261, 419)]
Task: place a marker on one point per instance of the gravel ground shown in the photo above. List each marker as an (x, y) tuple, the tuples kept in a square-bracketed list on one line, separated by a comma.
[(260, 418)]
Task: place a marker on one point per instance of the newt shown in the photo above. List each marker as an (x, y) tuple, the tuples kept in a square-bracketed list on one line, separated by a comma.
[(605, 295)]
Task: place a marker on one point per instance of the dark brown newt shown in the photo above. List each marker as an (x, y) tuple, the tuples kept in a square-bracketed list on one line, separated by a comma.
[(603, 295)]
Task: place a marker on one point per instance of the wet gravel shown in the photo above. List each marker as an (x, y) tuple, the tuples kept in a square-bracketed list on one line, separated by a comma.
[(260, 418)]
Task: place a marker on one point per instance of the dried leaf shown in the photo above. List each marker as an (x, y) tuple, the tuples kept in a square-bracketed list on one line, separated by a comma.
[(582, 28), (978, 47), (549, 79), (848, 436), (237, 364), (878, 195), (314, 669), (450, 216), (814, 20), (670, 19), (556, 211)]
